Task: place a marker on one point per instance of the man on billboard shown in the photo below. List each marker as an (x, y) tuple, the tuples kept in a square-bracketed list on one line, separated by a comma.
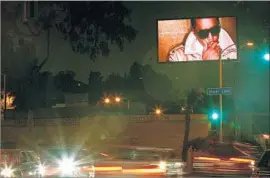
[(206, 41)]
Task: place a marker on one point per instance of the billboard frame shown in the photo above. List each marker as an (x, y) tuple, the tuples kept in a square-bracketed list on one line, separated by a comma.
[(199, 61)]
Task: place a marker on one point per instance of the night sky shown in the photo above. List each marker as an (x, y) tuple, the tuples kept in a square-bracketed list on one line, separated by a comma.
[(144, 48)]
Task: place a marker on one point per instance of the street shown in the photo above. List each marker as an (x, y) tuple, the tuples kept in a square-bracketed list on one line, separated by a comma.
[(182, 176)]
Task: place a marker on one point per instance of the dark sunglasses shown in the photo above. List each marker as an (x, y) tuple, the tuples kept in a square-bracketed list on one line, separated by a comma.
[(204, 33)]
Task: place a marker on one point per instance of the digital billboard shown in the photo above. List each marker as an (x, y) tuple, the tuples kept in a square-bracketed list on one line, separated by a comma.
[(197, 39)]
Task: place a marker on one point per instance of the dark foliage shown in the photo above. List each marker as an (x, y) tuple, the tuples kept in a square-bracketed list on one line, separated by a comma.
[(90, 27)]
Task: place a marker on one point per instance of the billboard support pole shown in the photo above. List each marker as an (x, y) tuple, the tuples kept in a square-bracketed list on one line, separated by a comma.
[(220, 99)]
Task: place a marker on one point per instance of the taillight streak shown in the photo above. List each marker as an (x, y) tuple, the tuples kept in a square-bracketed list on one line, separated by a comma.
[(155, 170), (207, 158), (108, 168), (151, 169), (242, 160)]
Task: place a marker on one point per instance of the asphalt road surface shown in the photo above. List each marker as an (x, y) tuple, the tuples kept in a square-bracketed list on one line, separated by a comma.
[(183, 176)]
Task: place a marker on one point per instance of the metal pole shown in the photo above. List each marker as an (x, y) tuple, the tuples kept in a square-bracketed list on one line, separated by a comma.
[(237, 129), (5, 97), (128, 104), (220, 99)]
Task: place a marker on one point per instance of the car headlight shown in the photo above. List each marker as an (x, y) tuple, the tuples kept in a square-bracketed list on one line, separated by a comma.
[(7, 172), (67, 166), (162, 165), (41, 169)]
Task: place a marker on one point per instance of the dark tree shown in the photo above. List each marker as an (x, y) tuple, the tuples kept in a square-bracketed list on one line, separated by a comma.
[(88, 26), (95, 87), (115, 82), (194, 98), (64, 81), (95, 80), (31, 90), (135, 78), (156, 84)]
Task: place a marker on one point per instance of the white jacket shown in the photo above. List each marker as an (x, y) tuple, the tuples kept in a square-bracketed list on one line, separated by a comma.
[(192, 51)]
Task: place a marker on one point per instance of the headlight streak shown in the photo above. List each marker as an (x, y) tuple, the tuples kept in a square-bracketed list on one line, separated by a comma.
[(41, 170), (67, 166), (7, 172), (162, 165)]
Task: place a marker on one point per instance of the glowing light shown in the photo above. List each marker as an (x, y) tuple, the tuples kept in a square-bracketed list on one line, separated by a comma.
[(107, 100), (67, 166), (158, 111), (267, 56), (266, 136), (41, 169), (117, 99), (250, 44), (9, 101), (7, 172), (162, 165), (214, 116)]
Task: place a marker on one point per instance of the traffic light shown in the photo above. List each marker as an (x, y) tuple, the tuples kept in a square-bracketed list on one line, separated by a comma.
[(266, 56), (213, 119), (214, 116)]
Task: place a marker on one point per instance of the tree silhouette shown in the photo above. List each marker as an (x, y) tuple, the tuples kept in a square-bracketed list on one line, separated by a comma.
[(135, 79), (194, 99), (89, 27), (157, 85), (115, 83), (95, 87), (64, 81), (30, 91)]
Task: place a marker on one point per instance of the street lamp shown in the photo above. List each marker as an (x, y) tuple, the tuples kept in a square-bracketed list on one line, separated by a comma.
[(117, 99), (123, 100), (107, 100), (158, 111), (250, 44)]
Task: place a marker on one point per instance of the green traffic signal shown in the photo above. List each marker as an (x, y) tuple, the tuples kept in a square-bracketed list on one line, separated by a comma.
[(266, 56), (214, 116)]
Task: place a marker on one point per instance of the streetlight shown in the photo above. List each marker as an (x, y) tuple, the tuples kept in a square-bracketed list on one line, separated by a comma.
[(117, 99), (250, 44), (158, 111), (107, 100)]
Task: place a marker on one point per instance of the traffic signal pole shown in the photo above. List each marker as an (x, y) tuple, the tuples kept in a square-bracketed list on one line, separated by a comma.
[(220, 98)]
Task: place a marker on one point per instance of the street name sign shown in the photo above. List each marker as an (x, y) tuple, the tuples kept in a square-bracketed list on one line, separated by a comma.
[(219, 91)]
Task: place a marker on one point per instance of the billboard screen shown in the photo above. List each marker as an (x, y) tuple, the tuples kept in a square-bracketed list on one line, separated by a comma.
[(197, 39)]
